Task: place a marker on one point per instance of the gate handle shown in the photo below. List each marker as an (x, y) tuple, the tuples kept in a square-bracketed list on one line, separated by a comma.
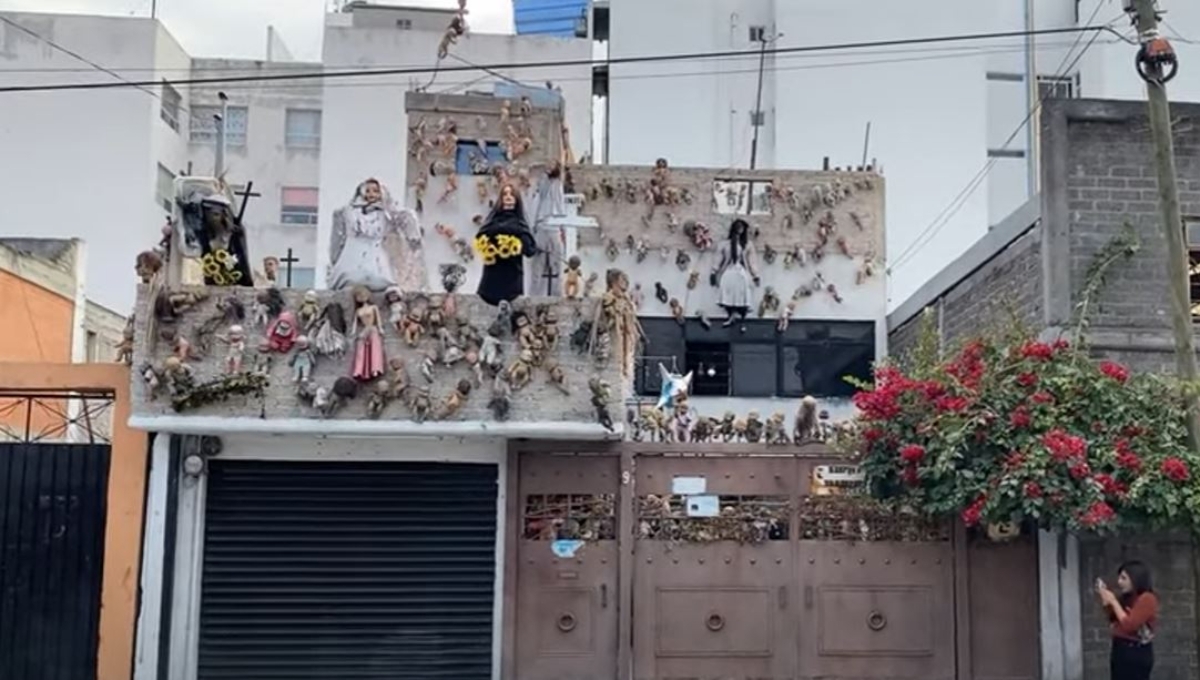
[(715, 622), (566, 622), (603, 595), (876, 621)]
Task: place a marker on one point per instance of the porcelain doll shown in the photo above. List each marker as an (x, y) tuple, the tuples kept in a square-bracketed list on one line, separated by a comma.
[(303, 360), (367, 329)]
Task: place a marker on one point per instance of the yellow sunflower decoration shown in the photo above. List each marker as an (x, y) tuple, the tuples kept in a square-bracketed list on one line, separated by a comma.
[(501, 246)]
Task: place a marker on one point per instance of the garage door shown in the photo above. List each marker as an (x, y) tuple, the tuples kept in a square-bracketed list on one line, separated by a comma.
[(348, 570)]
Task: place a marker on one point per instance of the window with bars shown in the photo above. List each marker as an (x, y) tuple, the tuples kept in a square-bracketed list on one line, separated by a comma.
[(299, 205), (1191, 232), (1058, 87), (302, 129), (203, 125), (809, 358), (164, 188), (171, 103)]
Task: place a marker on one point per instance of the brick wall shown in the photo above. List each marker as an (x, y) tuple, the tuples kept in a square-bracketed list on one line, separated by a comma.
[(538, 402), (1171, 564), (1006, 288)]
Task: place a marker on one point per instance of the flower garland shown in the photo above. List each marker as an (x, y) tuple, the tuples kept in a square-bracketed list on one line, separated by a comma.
[(500, 246), (1030, 432)]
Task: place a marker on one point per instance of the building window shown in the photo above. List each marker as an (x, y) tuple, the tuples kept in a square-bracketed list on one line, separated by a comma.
[(757, 33), (299, 206), (1192, 234), (473, 158), (164, 189), (404, 24), (757, 118), (302, 129), (1058, 87), (171, 102), (810, 358), (203, 128), (741, 197)]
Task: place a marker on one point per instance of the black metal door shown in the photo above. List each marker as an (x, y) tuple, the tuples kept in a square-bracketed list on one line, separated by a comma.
[(348, 570), (52, 514)]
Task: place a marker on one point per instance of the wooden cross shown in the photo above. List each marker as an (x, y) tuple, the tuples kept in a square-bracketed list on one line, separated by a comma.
[(289, 261), (246, 195)]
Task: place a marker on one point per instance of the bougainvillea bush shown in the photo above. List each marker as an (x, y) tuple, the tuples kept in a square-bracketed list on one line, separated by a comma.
[(1024, 431)]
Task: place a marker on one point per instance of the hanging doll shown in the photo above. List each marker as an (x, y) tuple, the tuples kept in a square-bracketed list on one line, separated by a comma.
[(367, 329), (330, 335), (503, 242), (736, 274)]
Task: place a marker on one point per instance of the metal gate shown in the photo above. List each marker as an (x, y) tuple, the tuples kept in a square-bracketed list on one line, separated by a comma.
[(348, 570), (736, 569), (567, 620), (52, 516)]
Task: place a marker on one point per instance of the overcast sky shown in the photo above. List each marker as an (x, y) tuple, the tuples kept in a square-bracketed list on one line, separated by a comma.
[(238, 28)]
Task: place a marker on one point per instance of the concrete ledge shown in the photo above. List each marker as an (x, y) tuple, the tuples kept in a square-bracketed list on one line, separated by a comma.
[(220, 425)]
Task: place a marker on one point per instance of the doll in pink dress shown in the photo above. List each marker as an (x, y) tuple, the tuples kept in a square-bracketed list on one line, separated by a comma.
[(367, 330)]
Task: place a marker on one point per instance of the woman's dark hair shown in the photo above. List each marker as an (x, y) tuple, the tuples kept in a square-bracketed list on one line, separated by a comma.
[(1139, 576), (737, 242)]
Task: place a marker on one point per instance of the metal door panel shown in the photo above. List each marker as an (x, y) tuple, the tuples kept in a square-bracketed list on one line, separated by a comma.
[(707, 607), (566, 600), (877, 610), (1003, 609)]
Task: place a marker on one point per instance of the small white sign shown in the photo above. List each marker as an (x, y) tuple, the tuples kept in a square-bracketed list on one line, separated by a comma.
[(836, 479), (703, 506), (689, 486)]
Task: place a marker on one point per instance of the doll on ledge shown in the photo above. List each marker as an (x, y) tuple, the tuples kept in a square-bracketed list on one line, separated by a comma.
[(503, 242)]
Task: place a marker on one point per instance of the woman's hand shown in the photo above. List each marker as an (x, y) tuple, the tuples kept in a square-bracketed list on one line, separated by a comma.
[(1106, 595)]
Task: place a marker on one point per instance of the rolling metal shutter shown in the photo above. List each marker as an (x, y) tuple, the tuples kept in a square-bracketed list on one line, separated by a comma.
[(348, 570)]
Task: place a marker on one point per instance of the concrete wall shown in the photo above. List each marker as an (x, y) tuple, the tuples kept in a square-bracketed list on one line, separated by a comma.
[(86, 167), (365, 126), (265, 159), (538, 402)]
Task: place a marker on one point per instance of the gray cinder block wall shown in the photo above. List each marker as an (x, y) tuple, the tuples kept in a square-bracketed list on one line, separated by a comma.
[(1097, 176)]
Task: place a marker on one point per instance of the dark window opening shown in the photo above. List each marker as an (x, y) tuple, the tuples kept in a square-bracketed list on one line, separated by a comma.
[(810, 358), (1191, 225)]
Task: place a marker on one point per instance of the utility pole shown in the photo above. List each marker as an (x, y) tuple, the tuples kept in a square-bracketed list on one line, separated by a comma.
[(1156, 65), (757, 120)]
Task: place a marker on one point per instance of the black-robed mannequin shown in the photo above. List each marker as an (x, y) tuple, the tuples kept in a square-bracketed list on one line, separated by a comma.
[(503, 242)]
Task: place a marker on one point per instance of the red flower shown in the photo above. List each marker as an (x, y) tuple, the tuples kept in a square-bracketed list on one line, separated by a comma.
[(1110, 486), (1133, 431), (910, 476), (1037, 350), (1027, 379), (951, 404), (974, 512), (1061, 344), (878, 404), (1099, 513), (1063, 446), (1114, 370), (1033, 490), (1176, 470), (872, 435), (1129, 460), (1042, 398), (932, 389), (1020, 417), (1014, 460), (1080, 470), (912, 453)]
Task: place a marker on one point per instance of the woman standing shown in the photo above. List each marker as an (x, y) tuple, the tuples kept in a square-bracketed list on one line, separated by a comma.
[(503, 242), (735, 274), (1134, 617)]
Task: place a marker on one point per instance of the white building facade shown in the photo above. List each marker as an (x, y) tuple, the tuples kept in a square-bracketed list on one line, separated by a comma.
[(939, 114)]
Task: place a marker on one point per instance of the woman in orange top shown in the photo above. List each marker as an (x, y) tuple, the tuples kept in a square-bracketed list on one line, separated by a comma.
[(1134, 617)]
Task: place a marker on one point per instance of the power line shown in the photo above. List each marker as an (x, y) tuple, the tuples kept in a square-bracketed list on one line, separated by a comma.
[(325, 75), (943, 218)]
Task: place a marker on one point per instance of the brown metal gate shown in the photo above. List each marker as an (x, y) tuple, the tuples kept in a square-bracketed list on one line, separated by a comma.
[(723, 565)]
